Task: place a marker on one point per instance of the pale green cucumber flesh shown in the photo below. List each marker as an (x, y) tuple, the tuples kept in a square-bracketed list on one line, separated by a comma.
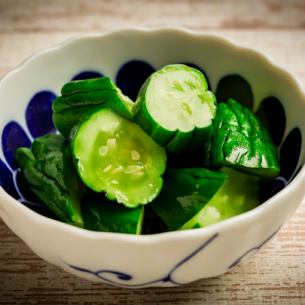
[(238, 195), (175, 101), (115, 156), (185, 192), (176, 98)]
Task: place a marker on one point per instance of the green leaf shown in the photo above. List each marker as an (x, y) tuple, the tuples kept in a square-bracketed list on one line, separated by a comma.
[(49, 173)]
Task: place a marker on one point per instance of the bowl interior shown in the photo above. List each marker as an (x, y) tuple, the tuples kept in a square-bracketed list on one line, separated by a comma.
[(129, 57)]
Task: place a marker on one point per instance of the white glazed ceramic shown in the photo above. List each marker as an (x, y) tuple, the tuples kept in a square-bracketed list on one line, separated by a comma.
[(165, 259)]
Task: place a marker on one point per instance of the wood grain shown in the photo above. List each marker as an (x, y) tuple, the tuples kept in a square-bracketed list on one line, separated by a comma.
[(95, 15), (277, 274)]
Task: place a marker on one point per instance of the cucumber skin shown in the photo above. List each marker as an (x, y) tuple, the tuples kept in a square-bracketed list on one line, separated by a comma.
[(102, 215), (175, 141), (239, 194), (143, 118), (152, 223), (101, 83), (180, 141), (80, 97), (237, 129), (72, 136), (185, 192)]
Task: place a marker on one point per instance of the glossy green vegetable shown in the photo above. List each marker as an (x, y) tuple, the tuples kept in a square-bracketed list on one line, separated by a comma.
[(175, 106), (114, 155), (239, 194), (185, 193), (49, 173), (118, 150), (100, 214), (80, 97), (242, 141), (152, 223)]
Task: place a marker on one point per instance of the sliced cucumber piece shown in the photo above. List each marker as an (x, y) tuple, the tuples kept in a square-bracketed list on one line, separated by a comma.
[(102, 215), (185, 193), (81, 97), (241, 141), (239, 194), (174, 103), (114, 155)]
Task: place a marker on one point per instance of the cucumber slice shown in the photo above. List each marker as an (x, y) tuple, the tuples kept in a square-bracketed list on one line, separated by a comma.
[(114, 155), (174, 103), (241, 141), (239, 194), (81, 97), (185, 193), (100, 214)]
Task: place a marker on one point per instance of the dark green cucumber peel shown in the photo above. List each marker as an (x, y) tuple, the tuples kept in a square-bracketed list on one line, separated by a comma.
[(88, 85), (102, 215), (185, 192), (241, 141), (174, 104), (49, 173), (152, 223), (80, 97), (238, 194), (115, 156)]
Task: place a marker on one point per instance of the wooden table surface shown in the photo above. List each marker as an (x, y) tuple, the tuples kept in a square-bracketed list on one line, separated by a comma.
[(277, 274)]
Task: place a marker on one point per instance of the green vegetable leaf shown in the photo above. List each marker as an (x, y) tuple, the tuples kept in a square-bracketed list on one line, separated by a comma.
[(49, 173)]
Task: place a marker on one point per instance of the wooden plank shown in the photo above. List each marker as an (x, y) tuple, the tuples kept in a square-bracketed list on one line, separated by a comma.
[(95, 15), (286, 47)]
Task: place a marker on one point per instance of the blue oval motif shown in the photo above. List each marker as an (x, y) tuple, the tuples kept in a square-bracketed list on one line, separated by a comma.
[(7, 181), (13, 136), (39, 114), (290, 153), (235, 86), (270, 188), (272, 113), (132, 75), (87, 75)]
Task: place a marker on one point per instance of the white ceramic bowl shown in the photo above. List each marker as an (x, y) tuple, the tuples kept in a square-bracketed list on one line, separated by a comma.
[(165, 259)]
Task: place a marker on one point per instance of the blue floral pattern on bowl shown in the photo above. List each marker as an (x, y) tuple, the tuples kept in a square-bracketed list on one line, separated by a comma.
[(125, 280), (129, 78), (124, 277)]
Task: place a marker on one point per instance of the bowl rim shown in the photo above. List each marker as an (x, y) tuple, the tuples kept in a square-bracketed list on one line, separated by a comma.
[(258, 211)]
